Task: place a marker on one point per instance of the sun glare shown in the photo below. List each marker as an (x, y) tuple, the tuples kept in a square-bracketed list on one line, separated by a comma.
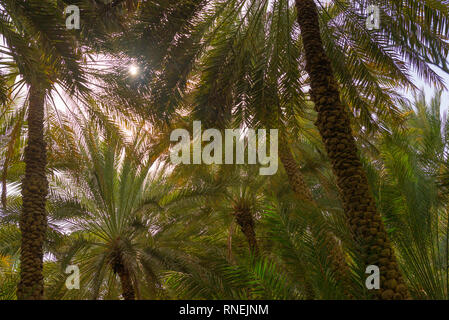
[(133, 70)]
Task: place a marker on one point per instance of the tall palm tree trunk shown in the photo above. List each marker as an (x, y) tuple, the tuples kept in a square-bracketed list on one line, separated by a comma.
[(302, 191), (244, 218), (295, 177), (334, 127), (127, 286), (33, 221), (120, 268)]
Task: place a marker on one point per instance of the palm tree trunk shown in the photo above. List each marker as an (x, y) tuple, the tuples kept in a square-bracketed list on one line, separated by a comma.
[(295, 177), (244, 218), (33, 221), (120, 268), (335, 130), (127, 286)]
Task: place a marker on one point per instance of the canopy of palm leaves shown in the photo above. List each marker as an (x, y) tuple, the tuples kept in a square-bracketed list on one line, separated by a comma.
[(86, 178)]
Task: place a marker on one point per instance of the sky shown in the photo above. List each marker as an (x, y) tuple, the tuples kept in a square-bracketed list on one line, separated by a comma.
[(429, 90)]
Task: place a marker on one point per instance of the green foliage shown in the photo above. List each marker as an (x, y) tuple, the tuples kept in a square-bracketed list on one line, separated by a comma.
[(116, 201)]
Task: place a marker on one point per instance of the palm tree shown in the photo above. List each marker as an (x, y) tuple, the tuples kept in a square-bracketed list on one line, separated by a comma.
[(249, 79), (124, 229), (46, 56), (231, 64), (111, 227), (334, 126), (235, 191), (232, 61), (44, 52)]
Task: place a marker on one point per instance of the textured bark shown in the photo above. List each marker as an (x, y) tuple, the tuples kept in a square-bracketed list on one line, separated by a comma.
[(120, 268), (33, 220), (127, 286), (295, 177), (302, 191), (244, 218), (334, 127)]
